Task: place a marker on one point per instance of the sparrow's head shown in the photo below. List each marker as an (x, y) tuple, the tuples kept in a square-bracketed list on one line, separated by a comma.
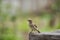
[(30, 20)]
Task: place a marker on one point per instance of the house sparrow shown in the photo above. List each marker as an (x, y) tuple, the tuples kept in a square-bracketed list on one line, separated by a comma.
[(33, 26)]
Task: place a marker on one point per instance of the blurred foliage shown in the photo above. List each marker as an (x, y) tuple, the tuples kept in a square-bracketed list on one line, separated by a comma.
[(13, 18), (10, 23)]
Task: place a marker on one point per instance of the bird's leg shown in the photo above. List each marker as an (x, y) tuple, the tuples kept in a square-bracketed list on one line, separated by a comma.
[(31, 31)]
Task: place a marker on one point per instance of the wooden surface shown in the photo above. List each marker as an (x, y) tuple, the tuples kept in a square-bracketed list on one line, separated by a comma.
[(44, 36)]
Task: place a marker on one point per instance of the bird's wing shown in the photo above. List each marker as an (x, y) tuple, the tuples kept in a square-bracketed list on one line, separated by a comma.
[(35, 26)]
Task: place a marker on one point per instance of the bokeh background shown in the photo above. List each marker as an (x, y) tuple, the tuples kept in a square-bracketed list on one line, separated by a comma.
[(15, 13)]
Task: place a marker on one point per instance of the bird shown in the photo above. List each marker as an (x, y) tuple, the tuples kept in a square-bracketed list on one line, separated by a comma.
[(33, 26)]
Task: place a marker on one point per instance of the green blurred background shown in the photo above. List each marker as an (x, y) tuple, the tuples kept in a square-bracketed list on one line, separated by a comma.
[(15, 13)]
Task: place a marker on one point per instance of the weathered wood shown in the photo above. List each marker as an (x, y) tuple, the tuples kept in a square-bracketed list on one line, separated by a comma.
[(44, 36)]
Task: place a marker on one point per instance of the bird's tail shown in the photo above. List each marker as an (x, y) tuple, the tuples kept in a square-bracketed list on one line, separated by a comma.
[(38, 31)]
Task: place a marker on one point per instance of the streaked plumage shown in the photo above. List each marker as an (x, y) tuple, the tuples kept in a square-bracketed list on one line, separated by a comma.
[(33, 26)]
